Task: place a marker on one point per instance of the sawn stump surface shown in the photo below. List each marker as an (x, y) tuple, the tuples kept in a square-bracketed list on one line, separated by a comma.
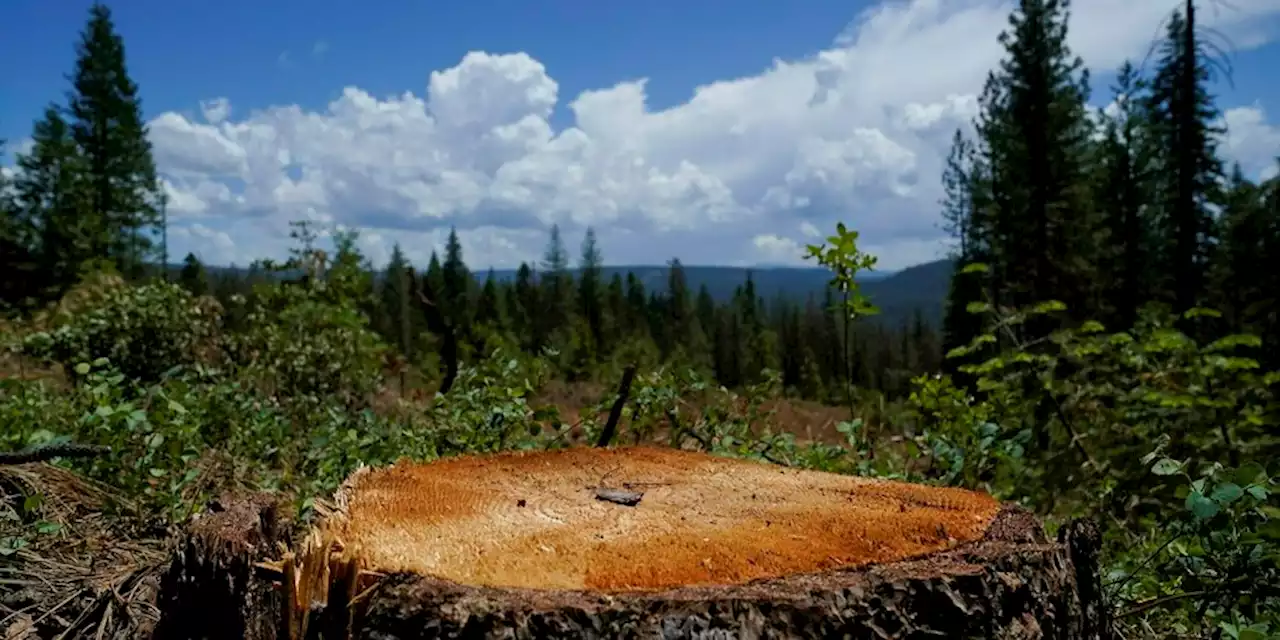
[(533, 520)]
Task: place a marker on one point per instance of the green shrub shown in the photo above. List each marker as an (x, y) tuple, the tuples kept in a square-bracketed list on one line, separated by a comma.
[(142, 331), (303, 348)]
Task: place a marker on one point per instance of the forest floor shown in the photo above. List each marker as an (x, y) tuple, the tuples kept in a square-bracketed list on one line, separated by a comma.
[(808, 421)]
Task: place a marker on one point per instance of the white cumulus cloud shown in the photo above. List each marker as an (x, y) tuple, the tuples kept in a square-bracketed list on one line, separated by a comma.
[(745, 171)]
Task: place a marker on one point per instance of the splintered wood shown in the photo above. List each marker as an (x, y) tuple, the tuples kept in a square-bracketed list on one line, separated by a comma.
[(534, 520)]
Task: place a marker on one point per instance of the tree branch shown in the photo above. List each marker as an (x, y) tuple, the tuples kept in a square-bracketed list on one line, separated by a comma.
[(44, 453), (615, 413)]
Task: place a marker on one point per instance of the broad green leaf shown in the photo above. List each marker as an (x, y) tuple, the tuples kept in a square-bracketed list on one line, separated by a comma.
[(1202, 507), (83, 368), (1249, 473), (1226, 493), (1166, 467), (1250, 633)]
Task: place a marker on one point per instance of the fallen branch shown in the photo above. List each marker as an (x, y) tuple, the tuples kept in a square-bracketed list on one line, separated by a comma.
[(46, 452), (615, 414)]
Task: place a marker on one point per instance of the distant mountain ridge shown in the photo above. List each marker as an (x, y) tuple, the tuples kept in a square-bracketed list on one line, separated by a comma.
[(899, 294)]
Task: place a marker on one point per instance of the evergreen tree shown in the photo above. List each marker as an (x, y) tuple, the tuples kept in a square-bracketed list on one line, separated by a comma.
[(1123, 189), (434, 277), (50, 204), (1240, 285), (590, 303), (491, 306), (1182, 114), (193, 276), (705, 311), (1036, 134), (527, 305), (676, 322), (637, 307), (456, 280), (556, 286), (108, 128), (397, 301), (963, 220), (616, 303), (350, 275)]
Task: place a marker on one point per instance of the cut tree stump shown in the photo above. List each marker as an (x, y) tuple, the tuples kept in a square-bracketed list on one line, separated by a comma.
[(520, 545)]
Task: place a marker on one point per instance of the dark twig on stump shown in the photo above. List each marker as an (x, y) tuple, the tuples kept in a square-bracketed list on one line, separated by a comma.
[(615, 414), (619, 496), (44, 453)]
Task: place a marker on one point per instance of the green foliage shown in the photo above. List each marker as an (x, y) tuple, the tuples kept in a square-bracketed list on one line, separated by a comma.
[(311, 341), (840, 254), (142, 331), (1161, 436)]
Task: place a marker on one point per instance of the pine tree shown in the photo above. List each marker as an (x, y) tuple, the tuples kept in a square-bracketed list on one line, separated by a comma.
[(963, 220), (590, 303), (193, 276), (434, 276), (397, 300), (1269, 276), (556, 285), (637, 307), (527, 305), (349, 279), (617, 317), (1238, 275), (1123, 189), (491, 306), (705, 311), (1182, 114), (456, 281), (51, 206), (108, 128), (1036, 134)]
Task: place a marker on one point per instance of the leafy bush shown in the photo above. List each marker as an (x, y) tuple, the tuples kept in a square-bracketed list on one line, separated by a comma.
[(142, 331), (1163, 438), (304, 348)]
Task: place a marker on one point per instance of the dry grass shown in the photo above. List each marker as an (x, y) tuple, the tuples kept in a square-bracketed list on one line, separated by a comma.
[(95, 577)]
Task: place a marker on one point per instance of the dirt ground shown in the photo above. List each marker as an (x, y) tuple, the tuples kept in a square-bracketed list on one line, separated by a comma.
[(534, 520), (808, 421)]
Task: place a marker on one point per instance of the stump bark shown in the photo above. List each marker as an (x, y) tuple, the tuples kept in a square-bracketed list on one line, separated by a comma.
[(634, 542)]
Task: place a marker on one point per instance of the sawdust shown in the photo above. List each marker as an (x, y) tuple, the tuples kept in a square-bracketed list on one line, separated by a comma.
[(532, 520)]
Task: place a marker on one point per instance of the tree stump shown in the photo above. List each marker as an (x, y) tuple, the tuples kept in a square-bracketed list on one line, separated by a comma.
[(638, 542)]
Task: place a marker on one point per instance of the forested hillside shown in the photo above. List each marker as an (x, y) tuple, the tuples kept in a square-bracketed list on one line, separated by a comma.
[(1106, 350)]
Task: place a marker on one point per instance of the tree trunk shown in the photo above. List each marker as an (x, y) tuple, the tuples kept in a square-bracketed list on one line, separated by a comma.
[(518, 546)]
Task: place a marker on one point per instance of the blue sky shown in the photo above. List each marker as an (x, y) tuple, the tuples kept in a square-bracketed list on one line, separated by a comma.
[(810, 112)]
